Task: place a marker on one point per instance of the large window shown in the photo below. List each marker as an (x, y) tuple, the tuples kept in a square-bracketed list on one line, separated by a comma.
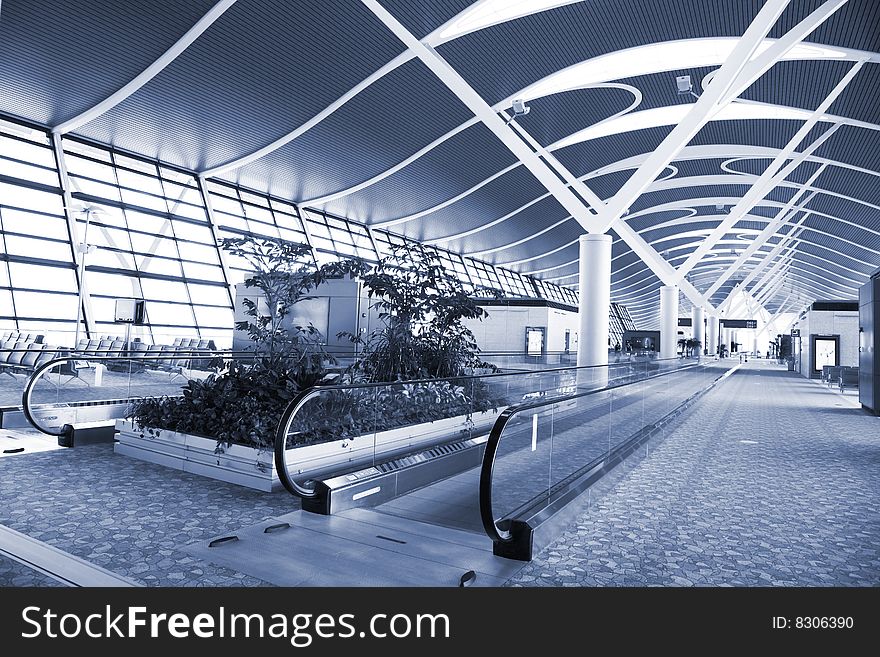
[(38, 288), (619, 320), (240, 213), (149, 235), (152, 241), (334, 237)]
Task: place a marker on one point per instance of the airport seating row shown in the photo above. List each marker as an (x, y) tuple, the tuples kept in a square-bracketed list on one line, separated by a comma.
[(841, 376), (24, 357), (19, 357), (18, 336)]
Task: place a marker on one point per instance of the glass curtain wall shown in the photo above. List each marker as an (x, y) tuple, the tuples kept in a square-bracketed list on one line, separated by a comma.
[(153, 241), (38, 285), (151, 236)]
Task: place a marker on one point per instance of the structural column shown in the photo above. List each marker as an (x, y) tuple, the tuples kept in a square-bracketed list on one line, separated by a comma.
[(668, 321), (594, 303), (725, 338), (712, 335), (697, 328)]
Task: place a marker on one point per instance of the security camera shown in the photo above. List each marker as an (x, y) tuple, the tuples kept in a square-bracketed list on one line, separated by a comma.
[(684, 84), (520, 108)]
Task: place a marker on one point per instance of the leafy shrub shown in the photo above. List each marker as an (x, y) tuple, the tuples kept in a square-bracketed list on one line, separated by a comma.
[(243, 402), (422, 307), (338, 414)]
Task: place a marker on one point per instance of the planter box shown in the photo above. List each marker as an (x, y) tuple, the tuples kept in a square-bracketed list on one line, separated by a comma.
[(255, 468), (245, 466)]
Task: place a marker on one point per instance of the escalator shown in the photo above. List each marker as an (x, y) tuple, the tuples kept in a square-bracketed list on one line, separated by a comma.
[(554, 426)]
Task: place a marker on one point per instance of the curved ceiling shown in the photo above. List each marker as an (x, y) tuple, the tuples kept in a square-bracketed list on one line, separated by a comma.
[(321, 104)]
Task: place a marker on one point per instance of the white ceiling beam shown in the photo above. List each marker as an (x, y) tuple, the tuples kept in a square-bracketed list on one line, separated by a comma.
[(664, 271), (763, 62), (775, 172), (549, 171), (771, 289), (777, 249), (754, 197), (148, 73), (540, 88), (782, 217), (488, 116), (688, 153), (435, 38), (772, 274), (701, 112)]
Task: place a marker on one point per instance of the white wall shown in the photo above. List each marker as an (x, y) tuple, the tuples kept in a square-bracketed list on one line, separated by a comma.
[(844, 323), (558, 321), (338, 305), (505, 327)]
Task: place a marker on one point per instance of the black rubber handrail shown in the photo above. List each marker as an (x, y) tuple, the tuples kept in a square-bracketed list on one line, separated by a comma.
[(306, 395), (488, 467), (139, 357)]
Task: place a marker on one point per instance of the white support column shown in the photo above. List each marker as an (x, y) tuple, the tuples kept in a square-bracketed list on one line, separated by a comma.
[(84, 311), (697, 328), (712, 335), (594, 291), (668, 321)]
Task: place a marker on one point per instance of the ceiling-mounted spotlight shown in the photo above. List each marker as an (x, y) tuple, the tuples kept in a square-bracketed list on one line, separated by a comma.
[(720, 207), (683, 82)]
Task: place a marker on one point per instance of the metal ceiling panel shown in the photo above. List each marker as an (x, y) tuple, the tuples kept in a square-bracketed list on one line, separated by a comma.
[(505, 58), (61, 58), (401, 113), (528, 222), (453, 167), (497, 199), (262, 69)]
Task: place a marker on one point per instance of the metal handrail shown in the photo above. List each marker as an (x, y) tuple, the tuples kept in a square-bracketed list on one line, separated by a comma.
[(488, 467), (308, 394), (176, 354)]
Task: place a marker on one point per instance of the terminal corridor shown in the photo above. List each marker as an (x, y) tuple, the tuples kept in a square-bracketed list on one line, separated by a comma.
[(770, 480)]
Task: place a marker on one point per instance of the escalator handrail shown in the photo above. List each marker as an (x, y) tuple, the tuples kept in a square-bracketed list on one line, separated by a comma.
[(38, 372), (488, 466), (308, 394), (281, 442)]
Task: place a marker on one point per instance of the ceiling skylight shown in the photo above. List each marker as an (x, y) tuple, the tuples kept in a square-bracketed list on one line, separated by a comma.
[(673, 114), (666, 56), (491, 12)]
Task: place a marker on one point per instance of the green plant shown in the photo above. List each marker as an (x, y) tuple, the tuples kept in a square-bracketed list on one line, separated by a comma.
[(242, 403), (339, 414), (422, 307), (285, 276)]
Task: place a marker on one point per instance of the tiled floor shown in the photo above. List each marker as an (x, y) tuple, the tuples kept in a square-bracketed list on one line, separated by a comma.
[(126, 515), (769, 480)]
